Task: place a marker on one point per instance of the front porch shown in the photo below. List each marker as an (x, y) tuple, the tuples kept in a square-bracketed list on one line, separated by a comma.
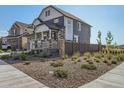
[(47, 41)]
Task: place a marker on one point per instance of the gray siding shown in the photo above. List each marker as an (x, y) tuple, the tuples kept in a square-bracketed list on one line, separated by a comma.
[(60, 23), (84, 34)]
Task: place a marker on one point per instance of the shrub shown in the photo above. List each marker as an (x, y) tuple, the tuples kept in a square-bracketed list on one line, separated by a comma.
[(109, 56), (1, 51), (87, 54), (27, 62), (23, 56), (57, 63), (85, 58), (114, 61), (109, 63), (88, 66), (104, 60), (97, 60), (75, 56), (88, 60), (78, 60), (97, 55), (121, 56), (5, 57), (65, 56), (9, 50), (61, 73)]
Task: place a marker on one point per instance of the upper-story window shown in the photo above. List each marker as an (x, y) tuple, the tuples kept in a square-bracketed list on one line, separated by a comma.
[(79, 26), (47, 13), (56, 20)]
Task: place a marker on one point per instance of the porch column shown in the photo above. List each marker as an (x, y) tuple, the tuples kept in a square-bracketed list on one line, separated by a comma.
[(42, 36), (50, 34)]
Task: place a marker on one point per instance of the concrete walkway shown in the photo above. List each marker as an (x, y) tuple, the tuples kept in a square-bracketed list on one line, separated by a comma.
[(11, 77), (112, 79)]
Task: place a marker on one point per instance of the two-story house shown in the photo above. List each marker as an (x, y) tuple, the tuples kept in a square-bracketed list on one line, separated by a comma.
[(17, 37), (54, 27)]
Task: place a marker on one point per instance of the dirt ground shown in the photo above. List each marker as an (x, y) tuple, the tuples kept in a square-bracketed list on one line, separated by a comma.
[(43, 72)]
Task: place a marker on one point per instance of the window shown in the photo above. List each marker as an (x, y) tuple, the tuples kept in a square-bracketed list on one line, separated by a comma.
[(76, 38), (79, 26), (56, 20), (47, 13)]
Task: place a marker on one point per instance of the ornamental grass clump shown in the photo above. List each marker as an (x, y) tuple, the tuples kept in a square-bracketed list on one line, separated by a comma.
[(85, 58), (61, 73), (97, 60), (105, 60), (97, 55), (87, 54), (75, 56), (121, 57), (109, 63), (114, 60), (57, 63), (88, 66)]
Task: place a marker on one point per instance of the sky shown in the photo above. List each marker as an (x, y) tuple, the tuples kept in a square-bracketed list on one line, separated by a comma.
[(103, 18)]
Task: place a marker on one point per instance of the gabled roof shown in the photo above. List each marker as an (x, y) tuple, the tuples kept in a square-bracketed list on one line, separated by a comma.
[(50, 25), (67, 14), (27, 27), (23, 24)]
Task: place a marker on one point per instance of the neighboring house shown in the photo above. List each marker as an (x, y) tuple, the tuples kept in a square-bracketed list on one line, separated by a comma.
[(17, 37), (4, 43), (54, 27)]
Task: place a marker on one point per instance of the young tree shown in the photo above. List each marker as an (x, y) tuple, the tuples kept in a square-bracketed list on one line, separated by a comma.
[(99, 41), (109, 39)]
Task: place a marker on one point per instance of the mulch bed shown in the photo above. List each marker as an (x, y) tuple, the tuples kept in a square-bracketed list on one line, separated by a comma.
[(41, 71)]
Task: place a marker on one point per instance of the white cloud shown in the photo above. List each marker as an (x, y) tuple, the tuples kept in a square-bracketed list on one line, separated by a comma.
[(3, 33)]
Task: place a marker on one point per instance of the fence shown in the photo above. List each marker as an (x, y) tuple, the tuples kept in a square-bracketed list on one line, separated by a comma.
[(71, 48)]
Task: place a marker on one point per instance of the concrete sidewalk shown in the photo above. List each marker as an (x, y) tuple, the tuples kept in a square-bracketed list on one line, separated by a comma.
[(11, 77), (112, 79)]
